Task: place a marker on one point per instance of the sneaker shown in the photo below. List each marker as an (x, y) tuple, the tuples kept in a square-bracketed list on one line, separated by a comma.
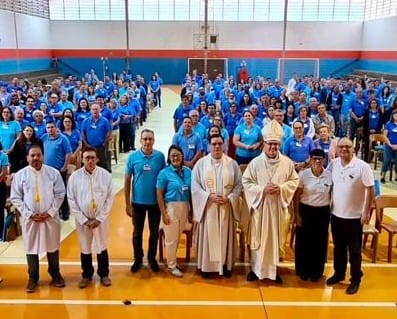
[(58, 281), (84, 283), (154, 266), (176, 272), (334, 280), (31, 286), (105, 281), (136, 266)]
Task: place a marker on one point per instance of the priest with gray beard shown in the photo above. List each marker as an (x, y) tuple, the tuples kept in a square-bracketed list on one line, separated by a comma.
[(269, 182)]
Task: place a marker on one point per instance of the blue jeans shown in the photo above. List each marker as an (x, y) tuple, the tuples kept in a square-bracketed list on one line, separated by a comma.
[(344, 120), (388, 155)]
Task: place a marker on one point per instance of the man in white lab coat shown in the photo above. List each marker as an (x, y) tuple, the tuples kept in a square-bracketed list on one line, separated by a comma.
[(90, 197), (37, 191)]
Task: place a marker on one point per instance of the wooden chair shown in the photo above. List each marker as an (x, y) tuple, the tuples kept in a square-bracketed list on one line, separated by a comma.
[(376, 147), (382, 202), (188, 231)]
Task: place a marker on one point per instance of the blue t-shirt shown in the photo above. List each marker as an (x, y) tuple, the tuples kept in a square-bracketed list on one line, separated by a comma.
[(96, 131), (391, 132), (176, 185), (190, 145), (298, 151), (180, 113), (249, 137), (55, 150), (373, 120), (144, 169), (74, 139), (8, 133)]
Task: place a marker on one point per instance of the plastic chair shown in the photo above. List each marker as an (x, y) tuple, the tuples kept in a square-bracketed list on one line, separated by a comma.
[(382, 202), (376, 150)]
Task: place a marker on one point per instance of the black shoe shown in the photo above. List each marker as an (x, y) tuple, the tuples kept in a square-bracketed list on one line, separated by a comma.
[(154, 266), (136, 266), (353, 287), (334, 280), (205, 275), (278, 279), (382, 180), (252, 276), (58, 281), (226, 273), (31, 286)]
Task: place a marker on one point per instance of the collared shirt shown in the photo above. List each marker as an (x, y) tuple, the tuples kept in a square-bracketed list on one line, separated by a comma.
[(8, 133), (176, 186), (248, 136), (298, 151), (349, 190), (391, 132), (56, 150), (96, 131), (190, 144), (144, 170), (316, 189)]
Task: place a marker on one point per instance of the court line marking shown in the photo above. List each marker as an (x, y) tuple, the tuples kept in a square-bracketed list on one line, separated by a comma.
[(195, 303), (20, 261)]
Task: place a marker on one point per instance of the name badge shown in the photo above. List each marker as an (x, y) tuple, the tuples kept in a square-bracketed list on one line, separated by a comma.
[(305, 125), (298, 144), (5, 126), (191, 146), (93, 126), (246, 131), (326, 150), (373, 116), (185, 188), (147, 167)]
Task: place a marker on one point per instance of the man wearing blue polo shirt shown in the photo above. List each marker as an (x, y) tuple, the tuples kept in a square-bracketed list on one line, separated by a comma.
[(190, 143), (143, 165), (57, 150), (181, 112), (95, 132)]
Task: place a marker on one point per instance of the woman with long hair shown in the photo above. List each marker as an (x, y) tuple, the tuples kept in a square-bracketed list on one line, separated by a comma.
[(390, 147)]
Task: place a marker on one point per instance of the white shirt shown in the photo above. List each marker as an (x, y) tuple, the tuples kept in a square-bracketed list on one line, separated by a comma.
[(316, 191), (349, 191)]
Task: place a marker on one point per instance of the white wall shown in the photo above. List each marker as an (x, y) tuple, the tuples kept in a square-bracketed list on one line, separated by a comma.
[(32, 32), (380, 35), (179, 35)]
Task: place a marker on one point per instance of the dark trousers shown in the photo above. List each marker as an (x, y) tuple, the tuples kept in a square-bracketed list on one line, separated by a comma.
[(88, 268), (64, 210), (3, 198), (125, 137), (53, 265), (312, 241), (347, 235), (104, 157), (154, 216)]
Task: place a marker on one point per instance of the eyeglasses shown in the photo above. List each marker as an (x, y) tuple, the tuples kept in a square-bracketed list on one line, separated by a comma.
[(6, 112), (272, 143), (175, 155), (67, 121)]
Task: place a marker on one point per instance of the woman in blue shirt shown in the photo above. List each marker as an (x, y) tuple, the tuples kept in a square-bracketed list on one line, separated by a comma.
[(68, 128), (9, 128), (390, 152), (372, 124), (173, 198), (82, 112), (248, 139)]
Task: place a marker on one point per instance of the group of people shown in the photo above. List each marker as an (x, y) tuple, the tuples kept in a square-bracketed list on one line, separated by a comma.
[(223, 170)]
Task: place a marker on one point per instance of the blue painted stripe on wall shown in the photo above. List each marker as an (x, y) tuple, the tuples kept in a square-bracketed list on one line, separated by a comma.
[(24, 65), (379, 66)]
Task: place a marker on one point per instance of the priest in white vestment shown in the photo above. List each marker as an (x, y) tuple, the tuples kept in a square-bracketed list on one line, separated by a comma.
[(90, 197), (269, 182), (37, 191), (216, 188)]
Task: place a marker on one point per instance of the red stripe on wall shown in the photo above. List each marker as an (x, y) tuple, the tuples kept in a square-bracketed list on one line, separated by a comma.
[(25, 53), (379, 55), (166, 54), (275, 54)]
